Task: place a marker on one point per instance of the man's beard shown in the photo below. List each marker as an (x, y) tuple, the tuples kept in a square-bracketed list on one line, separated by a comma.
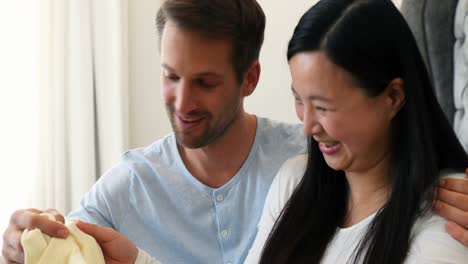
[(214, 128)]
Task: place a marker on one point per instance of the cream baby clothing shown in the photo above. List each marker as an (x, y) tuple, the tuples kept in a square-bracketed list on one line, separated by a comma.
[(77, 248)]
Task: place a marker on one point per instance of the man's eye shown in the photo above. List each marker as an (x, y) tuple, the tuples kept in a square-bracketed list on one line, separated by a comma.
[(172, 77), (320, 109), (206, 84), (297, 100)]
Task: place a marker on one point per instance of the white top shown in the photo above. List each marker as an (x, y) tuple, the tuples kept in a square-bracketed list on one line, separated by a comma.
[(431, 243)]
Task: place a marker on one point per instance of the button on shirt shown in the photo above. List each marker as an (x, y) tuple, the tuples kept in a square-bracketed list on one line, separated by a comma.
[(224, 233), (151, 198)]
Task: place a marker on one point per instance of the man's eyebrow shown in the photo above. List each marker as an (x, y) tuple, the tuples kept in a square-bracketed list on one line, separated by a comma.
[(210, 74), (200, 74), (167, 67), (314, 97)]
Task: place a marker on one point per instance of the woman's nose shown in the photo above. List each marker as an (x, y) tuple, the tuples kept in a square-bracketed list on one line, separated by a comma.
[(310, 123)]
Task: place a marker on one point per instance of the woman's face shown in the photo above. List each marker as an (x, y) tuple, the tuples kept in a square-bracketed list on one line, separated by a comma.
[(351, 128)]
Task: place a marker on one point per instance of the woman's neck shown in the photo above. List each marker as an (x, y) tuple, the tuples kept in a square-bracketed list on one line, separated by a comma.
[(368, 192)]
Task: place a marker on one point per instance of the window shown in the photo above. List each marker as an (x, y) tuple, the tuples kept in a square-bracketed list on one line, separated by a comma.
[(17, 105)]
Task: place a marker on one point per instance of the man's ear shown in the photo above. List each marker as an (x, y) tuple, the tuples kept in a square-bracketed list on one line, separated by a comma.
[(395, 94), (251, 79)]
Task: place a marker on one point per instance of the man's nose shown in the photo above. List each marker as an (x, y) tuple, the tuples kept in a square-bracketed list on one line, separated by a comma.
[(185, 100)]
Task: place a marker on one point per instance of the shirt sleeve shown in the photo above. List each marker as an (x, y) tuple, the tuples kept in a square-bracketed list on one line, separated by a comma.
[(145, 258), (107, 202), (282, 187), (432, 244)]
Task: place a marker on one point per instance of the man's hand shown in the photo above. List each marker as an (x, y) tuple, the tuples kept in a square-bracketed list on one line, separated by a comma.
[(20, 220), (117, 249), (452, 203)]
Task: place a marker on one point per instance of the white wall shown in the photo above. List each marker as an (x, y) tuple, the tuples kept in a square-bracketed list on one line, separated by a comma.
[(148, 120), (272, 97)]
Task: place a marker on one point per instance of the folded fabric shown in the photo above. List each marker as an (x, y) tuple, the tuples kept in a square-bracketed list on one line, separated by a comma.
[(77, 248)]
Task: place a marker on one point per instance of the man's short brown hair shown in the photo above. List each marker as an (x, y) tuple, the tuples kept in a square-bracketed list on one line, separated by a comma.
[(241, 21)]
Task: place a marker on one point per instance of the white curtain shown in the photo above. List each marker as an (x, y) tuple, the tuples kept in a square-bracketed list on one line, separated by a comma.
[(83, 115)]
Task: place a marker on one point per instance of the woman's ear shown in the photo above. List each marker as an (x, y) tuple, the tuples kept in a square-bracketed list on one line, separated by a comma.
[(395, 93)]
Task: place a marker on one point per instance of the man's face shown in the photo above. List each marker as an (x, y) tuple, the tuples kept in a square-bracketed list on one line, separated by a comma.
[(199, 86)]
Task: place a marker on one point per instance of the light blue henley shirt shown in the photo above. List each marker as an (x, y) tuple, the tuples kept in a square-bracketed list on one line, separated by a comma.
[(151, 198)]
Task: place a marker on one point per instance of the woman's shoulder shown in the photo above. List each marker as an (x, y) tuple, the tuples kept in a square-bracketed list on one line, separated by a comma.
[(430, 243), (286, 180), (291, 172)]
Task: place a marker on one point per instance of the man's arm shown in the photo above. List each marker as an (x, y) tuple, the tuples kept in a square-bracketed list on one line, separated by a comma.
[(452, 203)]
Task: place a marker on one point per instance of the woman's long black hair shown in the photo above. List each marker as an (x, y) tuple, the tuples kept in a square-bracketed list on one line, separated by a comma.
[(371, 40)]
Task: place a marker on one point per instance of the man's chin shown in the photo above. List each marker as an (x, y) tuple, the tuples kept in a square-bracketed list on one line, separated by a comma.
[(189, 143)]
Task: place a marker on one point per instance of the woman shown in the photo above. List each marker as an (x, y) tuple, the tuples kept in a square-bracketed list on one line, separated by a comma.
[(378, 143)]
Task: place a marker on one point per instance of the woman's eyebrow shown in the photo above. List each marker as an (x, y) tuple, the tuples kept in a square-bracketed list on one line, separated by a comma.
[(314, 97)]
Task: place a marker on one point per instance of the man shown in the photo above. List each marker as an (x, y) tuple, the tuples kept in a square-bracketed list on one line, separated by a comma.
[(196, 195)]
